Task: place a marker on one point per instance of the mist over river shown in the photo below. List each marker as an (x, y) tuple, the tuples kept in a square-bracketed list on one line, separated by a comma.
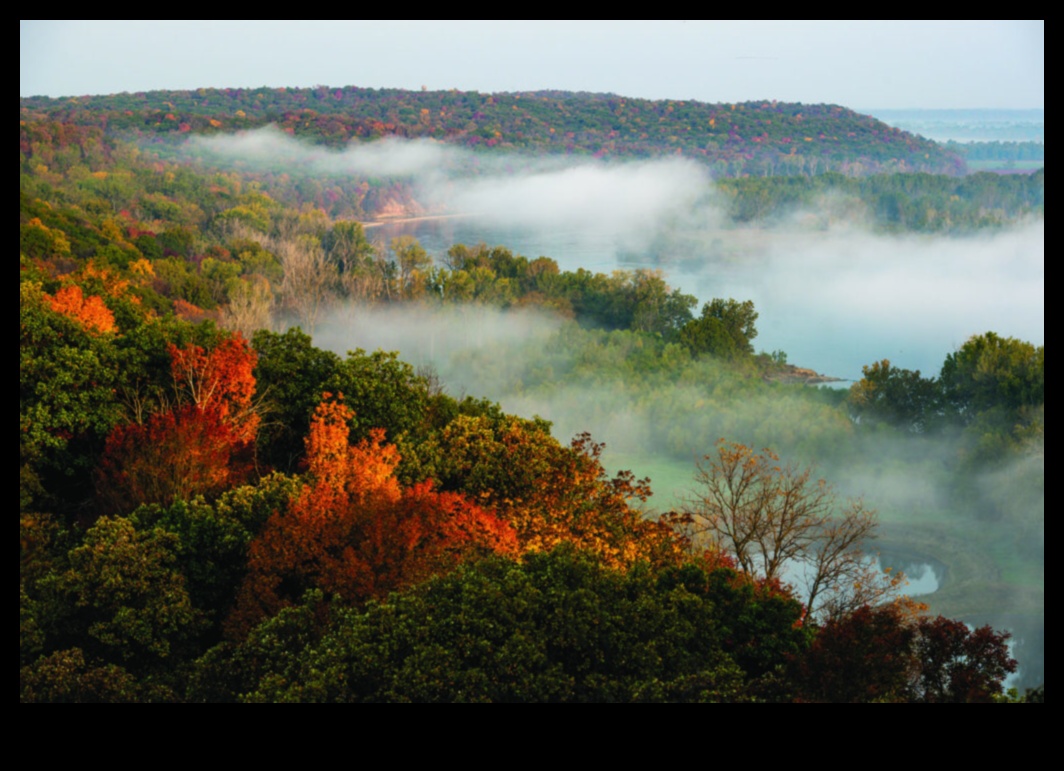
[(833, 300)]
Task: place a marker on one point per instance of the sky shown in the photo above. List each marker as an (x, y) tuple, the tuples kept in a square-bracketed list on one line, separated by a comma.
[(887, 64)]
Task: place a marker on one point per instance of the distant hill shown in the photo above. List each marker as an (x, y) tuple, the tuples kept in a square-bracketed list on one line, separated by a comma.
[(742, 139)]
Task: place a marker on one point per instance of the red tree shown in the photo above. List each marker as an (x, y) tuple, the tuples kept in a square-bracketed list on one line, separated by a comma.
[(202, 445), (354, 532)]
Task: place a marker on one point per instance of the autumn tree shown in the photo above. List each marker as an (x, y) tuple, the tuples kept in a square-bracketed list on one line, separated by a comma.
[(202, 444), (90, 312), (885, 654), (550, 493), (352, 530), (783, 525)]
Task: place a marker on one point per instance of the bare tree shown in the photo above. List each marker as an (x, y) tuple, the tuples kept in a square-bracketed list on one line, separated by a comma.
[(250, 304), (309, 278), (781, 524)]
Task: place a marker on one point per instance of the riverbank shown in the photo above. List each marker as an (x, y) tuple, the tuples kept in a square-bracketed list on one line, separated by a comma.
[(410, 220)]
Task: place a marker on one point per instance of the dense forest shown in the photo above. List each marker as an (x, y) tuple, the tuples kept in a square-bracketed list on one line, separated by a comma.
[(761, 138), (215, 507)]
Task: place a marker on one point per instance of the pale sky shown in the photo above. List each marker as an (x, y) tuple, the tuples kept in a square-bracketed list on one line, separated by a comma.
[(859, 64)]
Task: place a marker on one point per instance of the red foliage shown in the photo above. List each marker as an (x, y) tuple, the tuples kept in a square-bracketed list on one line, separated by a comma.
[(354, 532), (201, 446), (174, 455), (883, 654)]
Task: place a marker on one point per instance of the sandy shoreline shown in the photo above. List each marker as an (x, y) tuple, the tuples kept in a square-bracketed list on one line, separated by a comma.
[(405, 220)]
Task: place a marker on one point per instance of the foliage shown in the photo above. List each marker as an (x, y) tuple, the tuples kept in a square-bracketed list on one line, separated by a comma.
[(68, 375), (899, 397), (212, 551), (121, 599), (354, 532), (556, 628), (725, 329), (90, 312), (738, 139), (882, 654), (66, 677), (996, 387), (202, 445), (991, 372)]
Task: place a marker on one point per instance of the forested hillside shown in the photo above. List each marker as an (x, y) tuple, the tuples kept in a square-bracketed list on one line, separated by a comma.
[(215, 507), (750, 138)]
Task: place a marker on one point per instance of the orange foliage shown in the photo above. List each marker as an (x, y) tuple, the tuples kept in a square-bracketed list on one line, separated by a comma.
[(572, 500), (220, 380), (194, 314), (90, 312), (354, 532)]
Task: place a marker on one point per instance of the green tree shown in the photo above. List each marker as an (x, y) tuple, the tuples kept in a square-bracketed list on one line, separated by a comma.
[(410, 258), (992, 372), (68, 378), (726, 328), (555, 628), (122, 600), (899, 397)]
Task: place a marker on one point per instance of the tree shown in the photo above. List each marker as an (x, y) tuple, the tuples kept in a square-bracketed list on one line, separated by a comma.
[(781, 524), (899, 397), (309, 278), (353, 531), (410, 258), (90, 311), (556, 627), (996, 387), (725, 328), (122, 599), (886, 654), (203, 444), (992, 372)]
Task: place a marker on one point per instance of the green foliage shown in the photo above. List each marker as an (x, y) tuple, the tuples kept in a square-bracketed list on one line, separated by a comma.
[(725, 329), (68, 377), (898, 397), (122, 599), (940, 203), (991, 372), (67, 677), (555, 628), (996, 387), (213, 538), (291, 375)]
